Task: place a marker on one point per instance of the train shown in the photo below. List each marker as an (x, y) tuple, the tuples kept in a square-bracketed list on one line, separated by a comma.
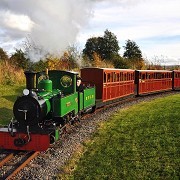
[(51, 100)]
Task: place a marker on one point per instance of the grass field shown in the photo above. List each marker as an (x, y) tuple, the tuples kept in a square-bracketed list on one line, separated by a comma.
[(8, 95), (140, 142)]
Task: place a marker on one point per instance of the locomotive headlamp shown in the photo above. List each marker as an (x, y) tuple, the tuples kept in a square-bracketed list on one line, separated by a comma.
[(26, 92)]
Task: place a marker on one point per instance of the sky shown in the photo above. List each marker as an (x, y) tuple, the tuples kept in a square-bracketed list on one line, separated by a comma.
[(153, 25)]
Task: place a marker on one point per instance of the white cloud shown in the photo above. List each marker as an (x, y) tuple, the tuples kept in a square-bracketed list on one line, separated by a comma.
[(51, 25), (16, 21)]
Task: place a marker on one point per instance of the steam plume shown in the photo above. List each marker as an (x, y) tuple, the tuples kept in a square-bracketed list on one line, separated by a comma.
[(53, 25)]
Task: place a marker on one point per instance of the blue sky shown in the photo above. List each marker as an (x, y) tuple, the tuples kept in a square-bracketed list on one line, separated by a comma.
[(153, 25)]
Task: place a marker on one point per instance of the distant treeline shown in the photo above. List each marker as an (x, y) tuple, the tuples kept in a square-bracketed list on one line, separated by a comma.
[(98, 52)]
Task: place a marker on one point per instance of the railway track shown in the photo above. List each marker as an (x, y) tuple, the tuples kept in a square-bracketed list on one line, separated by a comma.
[(11, 163)]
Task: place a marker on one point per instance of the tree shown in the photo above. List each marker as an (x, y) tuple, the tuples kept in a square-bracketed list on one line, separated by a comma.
[(109, 45), (19, 60), (132, 50), (133, 54), (3, 55), (120, 62), (91, 46), (105, 46)]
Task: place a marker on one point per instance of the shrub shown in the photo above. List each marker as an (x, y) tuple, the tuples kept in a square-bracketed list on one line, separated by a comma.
[(10, 74)]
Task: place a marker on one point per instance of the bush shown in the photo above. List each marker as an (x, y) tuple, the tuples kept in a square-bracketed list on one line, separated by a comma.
[(10, 75)]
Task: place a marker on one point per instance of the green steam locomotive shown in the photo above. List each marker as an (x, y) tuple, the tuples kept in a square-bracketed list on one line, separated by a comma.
[(48, 103)]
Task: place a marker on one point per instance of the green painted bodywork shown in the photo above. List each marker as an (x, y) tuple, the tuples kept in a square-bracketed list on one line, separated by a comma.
[(62, 106), (81, 101), (89, 97), (45, 84)]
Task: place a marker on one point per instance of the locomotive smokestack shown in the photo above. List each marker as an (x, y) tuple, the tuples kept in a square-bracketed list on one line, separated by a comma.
[(30, 79)]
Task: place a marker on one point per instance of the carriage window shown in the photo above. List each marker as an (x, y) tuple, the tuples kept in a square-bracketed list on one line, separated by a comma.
[(170, 75), (140, 75), (143, 76), (159, 75), (121, 76), (153, 76), (104, 77), (132, 76), (114, 77), (129, 76), (118, 78), (124, 77), (156, 76), (109, 77), (148, 76)]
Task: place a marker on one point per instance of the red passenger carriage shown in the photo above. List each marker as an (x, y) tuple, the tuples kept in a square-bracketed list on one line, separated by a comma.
[(111, 84), (176, 76), (149, 81)]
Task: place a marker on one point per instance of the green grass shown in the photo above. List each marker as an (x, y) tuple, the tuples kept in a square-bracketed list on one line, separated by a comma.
[(137, 143), (8, 95)]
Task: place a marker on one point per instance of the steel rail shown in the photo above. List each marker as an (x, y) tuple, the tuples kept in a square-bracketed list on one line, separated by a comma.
[(32, 155)]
